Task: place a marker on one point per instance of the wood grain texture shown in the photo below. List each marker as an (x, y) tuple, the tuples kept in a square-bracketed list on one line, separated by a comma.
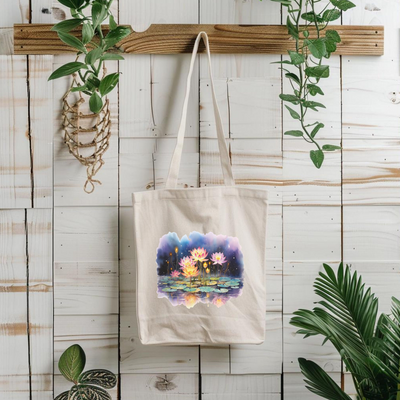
[(224, 39)]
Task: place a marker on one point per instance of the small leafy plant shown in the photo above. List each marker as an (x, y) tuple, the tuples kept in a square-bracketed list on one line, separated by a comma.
[(88, 385), (305, 25), (95, 45), (369, 346)]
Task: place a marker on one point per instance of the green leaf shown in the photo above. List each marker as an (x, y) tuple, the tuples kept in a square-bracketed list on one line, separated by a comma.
[(316, 129), (95, 104), (333, 35), (293, 113), (331, 15), (316, 47), (285, 3), (330, 147), (312, 104), (67, 25), (317, 157), (113, 24), (292, 30), (295, 57), (111, 56), (311, 17), (72, 362), (93, 55), (72, 3), (87, 33), (99, 14), (306, 34), (87, 392), (71, 40), (290, 97), (320, 71), (293, 77), (343, 5), (116, 36), (81, 88), (330, 46), (67, 69), (63, 396), (294, 133), (93, 81), (100, 377), (314, 89), (319, 382), (108, 83)]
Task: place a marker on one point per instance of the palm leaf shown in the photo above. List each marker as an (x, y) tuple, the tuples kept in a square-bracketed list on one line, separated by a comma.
[(319, 382)]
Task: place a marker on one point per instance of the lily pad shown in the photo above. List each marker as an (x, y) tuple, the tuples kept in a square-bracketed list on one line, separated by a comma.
[(206, 289), (225, 279), (221, 290), (223, 286), (167, 289), (212, 283), (214, 278), (178, 287), (191, 290)]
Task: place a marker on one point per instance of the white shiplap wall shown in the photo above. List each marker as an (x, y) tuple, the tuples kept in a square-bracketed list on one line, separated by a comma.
[(58, 243)]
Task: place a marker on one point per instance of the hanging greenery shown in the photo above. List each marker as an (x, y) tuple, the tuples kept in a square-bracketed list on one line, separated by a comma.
[(95, 45), (305, 67)]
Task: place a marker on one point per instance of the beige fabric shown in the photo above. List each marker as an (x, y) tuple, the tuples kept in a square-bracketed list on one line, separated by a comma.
[(200, 257)]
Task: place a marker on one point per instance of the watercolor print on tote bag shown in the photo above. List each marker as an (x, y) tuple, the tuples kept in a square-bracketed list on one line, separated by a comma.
[(199, 269)]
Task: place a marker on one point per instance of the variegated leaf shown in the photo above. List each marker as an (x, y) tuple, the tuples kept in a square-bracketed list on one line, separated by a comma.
[(101, 377), (86, 392), (62, 396)]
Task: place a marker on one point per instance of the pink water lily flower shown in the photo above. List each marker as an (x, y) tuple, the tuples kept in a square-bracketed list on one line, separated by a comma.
[(218, 258), (187, 262), (175, 274), (199, 254)]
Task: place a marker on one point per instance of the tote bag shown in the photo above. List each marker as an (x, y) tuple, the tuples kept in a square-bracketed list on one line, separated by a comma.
[(200, 254)]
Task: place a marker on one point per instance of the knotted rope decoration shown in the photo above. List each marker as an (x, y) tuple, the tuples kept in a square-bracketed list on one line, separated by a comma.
[(86, 134)]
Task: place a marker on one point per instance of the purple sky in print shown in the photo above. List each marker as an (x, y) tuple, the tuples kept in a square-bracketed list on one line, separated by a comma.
[(168, 258)]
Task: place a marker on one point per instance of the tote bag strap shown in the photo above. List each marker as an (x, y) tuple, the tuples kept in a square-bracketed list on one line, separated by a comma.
[(172, 179)]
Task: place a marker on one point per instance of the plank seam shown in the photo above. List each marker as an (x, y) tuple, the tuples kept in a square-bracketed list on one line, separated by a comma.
[(27, 303)]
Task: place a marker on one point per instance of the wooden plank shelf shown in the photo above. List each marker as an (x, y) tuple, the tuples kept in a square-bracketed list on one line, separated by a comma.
[(224, 39)]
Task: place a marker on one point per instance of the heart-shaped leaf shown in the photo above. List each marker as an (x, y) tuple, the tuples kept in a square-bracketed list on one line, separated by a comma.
[(100, 377), (295, 57), (317, 157), (72, 362)]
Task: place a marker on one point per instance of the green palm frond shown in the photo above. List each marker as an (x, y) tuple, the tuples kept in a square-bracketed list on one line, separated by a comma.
[(319, 382), (347, 317)]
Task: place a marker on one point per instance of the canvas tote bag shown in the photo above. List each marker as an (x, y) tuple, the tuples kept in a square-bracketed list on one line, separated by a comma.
[(200, 254)]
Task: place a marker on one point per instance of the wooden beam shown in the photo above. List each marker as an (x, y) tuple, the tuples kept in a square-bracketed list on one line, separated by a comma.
[(224, 39)]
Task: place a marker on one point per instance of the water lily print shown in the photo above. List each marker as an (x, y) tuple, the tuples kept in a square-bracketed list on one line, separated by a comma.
[(199, 269)]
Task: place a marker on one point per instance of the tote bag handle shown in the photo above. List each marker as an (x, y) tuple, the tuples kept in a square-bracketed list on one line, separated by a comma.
[(172, 179)]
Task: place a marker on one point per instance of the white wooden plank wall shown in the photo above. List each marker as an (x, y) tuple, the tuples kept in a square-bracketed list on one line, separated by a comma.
[(53, 235)]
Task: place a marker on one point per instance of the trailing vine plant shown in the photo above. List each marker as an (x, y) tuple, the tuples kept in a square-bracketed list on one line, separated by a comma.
[(95, 45), (306, 25)]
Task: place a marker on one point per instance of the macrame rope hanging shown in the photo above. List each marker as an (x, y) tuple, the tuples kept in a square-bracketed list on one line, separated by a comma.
[(86, 134)]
